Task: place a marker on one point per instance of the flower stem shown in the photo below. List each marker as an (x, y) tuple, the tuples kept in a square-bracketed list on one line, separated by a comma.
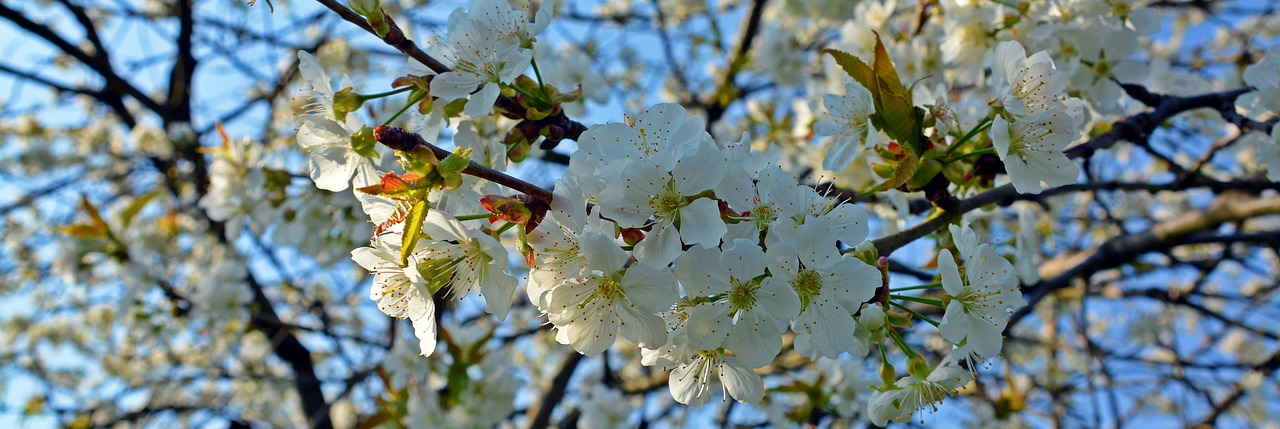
[(538, 74), (526, 93), (504, 228), (931, 301), (986, 123), (412, 101), (902, 344), (928, 286), (366, 97), (914, 313), (978, 152), (476, 216)]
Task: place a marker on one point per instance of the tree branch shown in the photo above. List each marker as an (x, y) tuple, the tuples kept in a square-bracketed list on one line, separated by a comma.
[(1120, 250), (400, 139), (555, 392)]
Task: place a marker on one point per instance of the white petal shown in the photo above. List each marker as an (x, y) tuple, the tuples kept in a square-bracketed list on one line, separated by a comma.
[(649, 289), (644, 329), (951, 281), (741, 382), (453, 85), (700, 223), (700, 272), (330, 169), (481, 104), (708, 325), (699, 172), (660, 247)]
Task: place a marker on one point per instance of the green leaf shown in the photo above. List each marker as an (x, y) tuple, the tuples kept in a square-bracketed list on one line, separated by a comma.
[(895, 114), (413, 229), (131, 211), (929, 167), (906, 168), (890, 83), (858, 70), (899, 118)]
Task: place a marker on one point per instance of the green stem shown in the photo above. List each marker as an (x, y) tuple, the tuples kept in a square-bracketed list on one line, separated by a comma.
[(978, 152), (928, 286), (902, 344), (476, 216), (931, 301), (914, 313), (986, 123), (412, 101), (538, 74), (367, 97), (504, 228), (526, 93)]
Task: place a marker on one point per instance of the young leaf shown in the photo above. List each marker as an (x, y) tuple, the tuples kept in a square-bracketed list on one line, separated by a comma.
[(131, 211), (413, 229), (893, 103), (902, 172), (859, 71)]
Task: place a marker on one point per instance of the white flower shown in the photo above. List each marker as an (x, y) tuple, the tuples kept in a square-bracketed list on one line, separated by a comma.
[(321, 88), (400, 291), (491, 153), (648, 189), (479, 60), (1033, 151), (747, 314), (489, 45), (509, 25), (911, 394), (662, 134), (335, 162), (829, 286), (1267, 151), (467, 259), (568, 68), (1028, 245), (968, 36), (980, 303), (237, 188), (1264, 77), (556, 243), (690, 382), (780, 56), (798, 204), (850, 123), (870, 320), (605, 408), (1106, 55), (612, 298), (1026, 86)]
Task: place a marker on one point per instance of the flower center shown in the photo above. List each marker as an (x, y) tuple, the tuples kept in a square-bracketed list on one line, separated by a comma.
[(608, 287), (742, 296), (807, 284), (763, 215), (668, 203)]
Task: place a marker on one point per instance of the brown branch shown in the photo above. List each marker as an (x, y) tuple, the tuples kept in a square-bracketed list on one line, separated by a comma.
[(555, 392), (400, 139), (1130, 129), (720, 99), (1266, 368), (1057, 274), (396, 39), (115, 85), (288, 348)]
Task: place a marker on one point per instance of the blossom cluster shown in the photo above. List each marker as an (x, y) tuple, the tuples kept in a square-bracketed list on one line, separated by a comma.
[(704, 254)]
